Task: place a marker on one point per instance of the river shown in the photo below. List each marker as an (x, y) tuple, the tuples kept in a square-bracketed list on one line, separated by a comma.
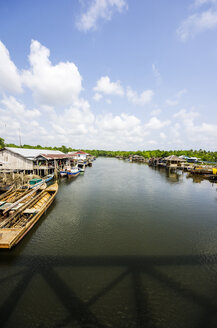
[(123, 245)]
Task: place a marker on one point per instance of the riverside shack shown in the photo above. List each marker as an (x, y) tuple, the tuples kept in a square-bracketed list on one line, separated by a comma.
[(22, 159), (173, 161)]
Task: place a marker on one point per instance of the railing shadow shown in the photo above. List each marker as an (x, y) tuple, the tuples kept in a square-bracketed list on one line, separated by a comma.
[(132, 267)]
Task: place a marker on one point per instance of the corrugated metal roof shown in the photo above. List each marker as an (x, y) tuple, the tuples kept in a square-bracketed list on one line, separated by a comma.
[(56, 156), (78, 152), (32, 153)]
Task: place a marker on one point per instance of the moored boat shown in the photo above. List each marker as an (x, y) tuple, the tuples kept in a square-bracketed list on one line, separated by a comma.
[(63, 173), (38, 181), (73, 172), (21, 221)]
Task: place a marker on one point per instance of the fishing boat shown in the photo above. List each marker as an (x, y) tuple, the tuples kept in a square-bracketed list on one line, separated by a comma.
[(16, 199), (19, 222), (7, 191), (48, 178), (63, 173), (81, 167), (73, 172), (37, 181)]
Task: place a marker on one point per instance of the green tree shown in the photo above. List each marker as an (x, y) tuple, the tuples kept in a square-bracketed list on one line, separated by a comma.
[(2, 143)]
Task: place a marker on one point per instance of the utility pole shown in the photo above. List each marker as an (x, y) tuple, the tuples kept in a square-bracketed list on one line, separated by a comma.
[(20, 138)]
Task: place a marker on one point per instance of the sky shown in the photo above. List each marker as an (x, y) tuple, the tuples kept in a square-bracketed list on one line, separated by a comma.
[(109, 74)]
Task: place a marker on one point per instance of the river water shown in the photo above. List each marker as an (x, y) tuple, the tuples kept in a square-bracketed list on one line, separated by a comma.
[(123, 245)]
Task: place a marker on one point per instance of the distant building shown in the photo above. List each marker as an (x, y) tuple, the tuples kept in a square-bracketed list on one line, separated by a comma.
[(79, 155)]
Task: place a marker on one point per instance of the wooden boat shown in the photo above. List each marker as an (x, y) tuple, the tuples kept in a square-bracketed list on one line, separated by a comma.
[(73, 173), (49, 177), (33, 182), (5, 189), (13, 195), (7, 192), (16, 226), (38, 181), (13, 202)]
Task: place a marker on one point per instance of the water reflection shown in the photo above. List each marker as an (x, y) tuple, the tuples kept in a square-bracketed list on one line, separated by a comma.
[(171, 176)]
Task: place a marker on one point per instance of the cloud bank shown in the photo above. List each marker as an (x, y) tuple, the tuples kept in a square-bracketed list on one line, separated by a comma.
[(57, 112)]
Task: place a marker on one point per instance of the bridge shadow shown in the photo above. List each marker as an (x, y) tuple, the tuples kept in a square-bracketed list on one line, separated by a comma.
[(137, 269)]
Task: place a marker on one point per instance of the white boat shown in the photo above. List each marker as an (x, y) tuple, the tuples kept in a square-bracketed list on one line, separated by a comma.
[(73, 172)]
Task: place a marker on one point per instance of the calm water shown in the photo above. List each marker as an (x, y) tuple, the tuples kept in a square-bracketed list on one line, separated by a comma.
[(124, 245)]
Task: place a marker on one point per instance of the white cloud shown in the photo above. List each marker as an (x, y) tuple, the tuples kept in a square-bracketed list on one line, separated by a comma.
[(163, 135), (200, 134), (97, 96), (152, 142), (99, 9), (105, 86), (17, 120), (198, 22), (142, 99), (155, 112), (119, 131), (155, 124), (10, 80), (199, 3), (117, 123), (76, 120), (186, 115), (16, 108), (175, 100), (51, 85)]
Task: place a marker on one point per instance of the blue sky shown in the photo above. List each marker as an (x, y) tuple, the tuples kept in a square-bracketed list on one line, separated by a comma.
[(109, 74)]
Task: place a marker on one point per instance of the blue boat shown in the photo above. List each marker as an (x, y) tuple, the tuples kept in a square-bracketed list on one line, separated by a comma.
[(35, 182), (73, 172)]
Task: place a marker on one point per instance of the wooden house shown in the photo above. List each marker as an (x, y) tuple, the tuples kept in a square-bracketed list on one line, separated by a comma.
[(174, 162), (21, 159)]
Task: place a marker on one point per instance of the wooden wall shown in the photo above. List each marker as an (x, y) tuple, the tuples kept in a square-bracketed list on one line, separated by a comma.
[(15, 161)]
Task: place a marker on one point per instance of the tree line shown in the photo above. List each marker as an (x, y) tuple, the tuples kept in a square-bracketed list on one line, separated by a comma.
[(204, 155)]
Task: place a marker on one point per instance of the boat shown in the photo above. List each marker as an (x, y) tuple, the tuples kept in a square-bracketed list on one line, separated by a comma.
[(63, 173), (22, 220), (38, 181), (48, 178), (16, 199), (7, 191), (73, 172), (81, 167), (35, 181)]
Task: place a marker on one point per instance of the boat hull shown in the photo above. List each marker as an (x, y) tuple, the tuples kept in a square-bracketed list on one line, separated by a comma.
[(11, 236), (72, 174)]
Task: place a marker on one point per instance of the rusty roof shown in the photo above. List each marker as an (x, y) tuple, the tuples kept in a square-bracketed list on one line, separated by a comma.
[(55, 156)]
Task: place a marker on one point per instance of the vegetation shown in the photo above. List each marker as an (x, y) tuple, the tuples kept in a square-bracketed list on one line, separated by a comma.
[(2, 143), (202, 154)]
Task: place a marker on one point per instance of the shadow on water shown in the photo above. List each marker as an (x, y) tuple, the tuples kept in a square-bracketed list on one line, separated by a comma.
[(131, 267)]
